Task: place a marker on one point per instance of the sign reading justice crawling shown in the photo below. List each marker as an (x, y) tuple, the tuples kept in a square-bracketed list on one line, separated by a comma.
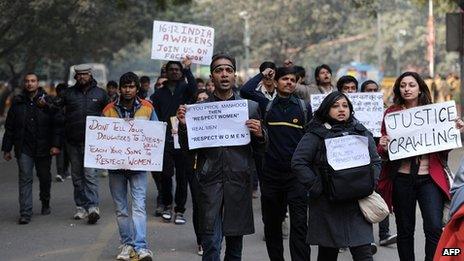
[(422, 130), (347, 152), (216, 124), (367, 106), (113, 143), (173, 41)]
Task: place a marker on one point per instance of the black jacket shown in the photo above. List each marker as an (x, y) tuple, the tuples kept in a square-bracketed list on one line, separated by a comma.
[(49, 124), (166, 103), (224, 176), (77, 106)]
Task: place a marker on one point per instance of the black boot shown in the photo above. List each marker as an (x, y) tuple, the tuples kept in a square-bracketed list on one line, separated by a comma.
[(45, 207)]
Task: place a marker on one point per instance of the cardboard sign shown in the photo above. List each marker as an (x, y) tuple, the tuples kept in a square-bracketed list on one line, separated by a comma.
[(422, 130), (114, 143), (347, 152), (174, 41), (217, 124), (367, 106)]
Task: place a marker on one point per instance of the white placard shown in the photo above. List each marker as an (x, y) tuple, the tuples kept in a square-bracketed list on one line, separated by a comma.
[(367, 106), (173, 41), (347, 152), (217, 124), (114, 143), (422, 130)]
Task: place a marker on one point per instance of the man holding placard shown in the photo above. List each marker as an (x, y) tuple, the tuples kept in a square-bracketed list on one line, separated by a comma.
[(224, 172), (132, 224)]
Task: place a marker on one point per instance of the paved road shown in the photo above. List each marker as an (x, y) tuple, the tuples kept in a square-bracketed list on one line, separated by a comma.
[(59, 237)]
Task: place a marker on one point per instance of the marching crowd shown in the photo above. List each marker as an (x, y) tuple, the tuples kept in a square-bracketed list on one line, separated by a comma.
[(286, 158)]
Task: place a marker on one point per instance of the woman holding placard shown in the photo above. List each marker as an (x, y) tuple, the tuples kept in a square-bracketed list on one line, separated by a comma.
[(335, 217), (419, 179)]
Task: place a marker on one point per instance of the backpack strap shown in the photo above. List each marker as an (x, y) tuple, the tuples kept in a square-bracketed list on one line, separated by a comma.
[(268, 108), (304, 109)]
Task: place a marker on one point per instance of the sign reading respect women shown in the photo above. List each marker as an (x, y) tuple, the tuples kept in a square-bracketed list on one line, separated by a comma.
[(173, 41), (422, 130), (113, 143), (217, 124)]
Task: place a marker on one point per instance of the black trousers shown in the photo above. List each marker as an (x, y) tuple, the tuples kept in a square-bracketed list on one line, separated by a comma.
[(359, 253), (275, 197), (194, 187)]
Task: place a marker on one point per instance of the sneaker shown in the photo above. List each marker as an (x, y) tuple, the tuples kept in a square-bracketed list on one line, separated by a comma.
[(159, 211), (45, 208), (94, 215), (145, 255), (126, 253), (285, 230), (388, 240), (81, 213), (59, 178), (179, 219), (167, 214), (200, 250), (24, 220)]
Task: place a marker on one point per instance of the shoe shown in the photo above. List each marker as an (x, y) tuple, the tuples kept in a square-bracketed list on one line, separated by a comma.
[(145, 255), (167, 214), (285, 230), (389, 240), (126, 253), (45, 208), (159, 211), (81, 213), (373, 248), (94, 215), (200, 250), (59, 178), (24, 220), (179, 219)]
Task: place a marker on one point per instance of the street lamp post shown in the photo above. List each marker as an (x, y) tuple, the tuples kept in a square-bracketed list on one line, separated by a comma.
[(246, 41)]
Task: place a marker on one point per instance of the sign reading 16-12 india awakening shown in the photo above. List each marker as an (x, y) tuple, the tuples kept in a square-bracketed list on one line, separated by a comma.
[(174, 41), (422, 130)]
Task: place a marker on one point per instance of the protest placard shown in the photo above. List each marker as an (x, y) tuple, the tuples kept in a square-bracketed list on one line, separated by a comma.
[(422, 130), (347, 152), (367, 106), (217, 124), (173, 41), (113, 143)]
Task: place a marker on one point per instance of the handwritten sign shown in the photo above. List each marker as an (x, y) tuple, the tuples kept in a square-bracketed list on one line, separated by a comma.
[(173, 41), (216, 124), (367, 106), (347, 152), (422, 130), (113, 143)]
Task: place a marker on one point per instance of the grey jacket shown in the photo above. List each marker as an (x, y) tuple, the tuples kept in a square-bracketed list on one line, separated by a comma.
[(457, 190), (224, 176)]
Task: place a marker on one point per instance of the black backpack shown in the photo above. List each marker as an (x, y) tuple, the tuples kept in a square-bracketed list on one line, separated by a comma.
[(346, 184)]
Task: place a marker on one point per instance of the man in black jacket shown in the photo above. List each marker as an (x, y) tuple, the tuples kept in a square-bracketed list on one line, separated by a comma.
[(33, 128), (166, 100), (82, 100)]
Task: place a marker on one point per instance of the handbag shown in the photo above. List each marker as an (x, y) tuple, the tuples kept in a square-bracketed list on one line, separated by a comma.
[(373, 208)]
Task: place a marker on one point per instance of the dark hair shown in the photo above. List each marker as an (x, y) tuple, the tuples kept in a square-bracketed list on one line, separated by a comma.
[(266, 65), (112, 84), (346, 79), (61, 87), (197, 93), (318, 70), (145, 79), (322, 113), (128, 78), (199, 80), (170, 63), (300, 71), (424, 92), (364, 85), (222, 56), (31, 73), (282, 71)]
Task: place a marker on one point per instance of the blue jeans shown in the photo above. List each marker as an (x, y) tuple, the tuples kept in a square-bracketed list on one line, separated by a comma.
[(26, 169), (132, 225), (407, 189), (211, 244), (85, 180)]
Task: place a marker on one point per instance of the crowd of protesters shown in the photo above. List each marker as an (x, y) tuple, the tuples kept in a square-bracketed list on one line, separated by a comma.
[(285, 159)]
